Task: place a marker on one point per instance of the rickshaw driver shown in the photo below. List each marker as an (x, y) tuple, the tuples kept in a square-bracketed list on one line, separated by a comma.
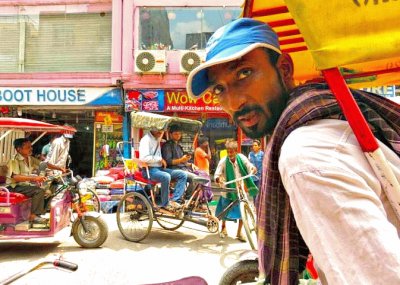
[(21, 178), (317, 184), (150, 153)]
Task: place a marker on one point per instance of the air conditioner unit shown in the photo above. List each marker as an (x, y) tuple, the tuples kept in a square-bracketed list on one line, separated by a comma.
[(190, 59), (150, 61)]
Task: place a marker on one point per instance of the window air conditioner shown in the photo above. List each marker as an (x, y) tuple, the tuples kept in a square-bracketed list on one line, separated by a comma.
[(190, 59), (150, 61)]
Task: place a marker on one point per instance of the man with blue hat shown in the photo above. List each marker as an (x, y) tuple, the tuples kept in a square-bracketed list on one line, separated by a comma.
[(318, 191)]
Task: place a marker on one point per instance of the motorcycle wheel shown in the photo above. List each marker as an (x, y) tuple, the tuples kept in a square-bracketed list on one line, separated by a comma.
[(241, 272), (96, 234)]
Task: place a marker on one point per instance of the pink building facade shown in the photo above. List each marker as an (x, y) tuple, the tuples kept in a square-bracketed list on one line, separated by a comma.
[(81, 61)]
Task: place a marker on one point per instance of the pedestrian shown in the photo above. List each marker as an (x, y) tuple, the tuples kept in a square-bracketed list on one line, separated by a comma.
[(256, 157), (231, 167), (59, 151), (318, 189), (46, 149), (202, 155)]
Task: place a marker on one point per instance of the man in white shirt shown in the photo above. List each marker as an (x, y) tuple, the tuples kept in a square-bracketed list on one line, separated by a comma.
[(150, 153), (59, 151)]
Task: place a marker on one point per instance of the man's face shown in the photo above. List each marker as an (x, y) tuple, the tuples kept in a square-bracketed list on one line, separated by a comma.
[(256, 147), (176, 136), (251, 91), (231, 152), (157, 134), (26, 149)]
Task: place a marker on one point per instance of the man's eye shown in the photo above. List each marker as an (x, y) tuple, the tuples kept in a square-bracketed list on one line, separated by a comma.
[(218, 89), (244, 73)]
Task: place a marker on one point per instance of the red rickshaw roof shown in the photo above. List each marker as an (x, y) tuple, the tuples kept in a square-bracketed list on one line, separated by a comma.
[(33, 125)]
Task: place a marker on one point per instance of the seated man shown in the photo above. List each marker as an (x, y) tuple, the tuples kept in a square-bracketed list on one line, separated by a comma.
[(150, 153), (21, 177), (173, 154)]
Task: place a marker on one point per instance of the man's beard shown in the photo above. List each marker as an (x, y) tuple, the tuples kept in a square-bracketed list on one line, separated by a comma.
[(251, 132), (275, 107)]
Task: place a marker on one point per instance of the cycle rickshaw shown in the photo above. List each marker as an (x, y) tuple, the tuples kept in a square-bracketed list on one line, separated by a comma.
[(344, 43), (137, 209)]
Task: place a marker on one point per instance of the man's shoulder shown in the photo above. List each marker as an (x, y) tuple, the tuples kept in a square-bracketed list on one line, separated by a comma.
[(168, 143)]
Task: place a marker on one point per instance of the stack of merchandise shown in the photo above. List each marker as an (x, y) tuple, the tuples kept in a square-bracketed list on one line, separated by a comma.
[(117, 189), (104, 180)]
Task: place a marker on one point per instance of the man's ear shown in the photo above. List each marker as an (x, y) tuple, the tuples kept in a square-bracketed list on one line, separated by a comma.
[(285, 67)]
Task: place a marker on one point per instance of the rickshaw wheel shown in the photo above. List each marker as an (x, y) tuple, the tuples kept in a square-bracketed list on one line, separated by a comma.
[(249, 223), (212, 224), (134, 217), (244, 271), (169, 223)]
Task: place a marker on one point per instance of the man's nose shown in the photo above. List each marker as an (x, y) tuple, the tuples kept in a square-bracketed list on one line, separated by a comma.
[(236, 99)]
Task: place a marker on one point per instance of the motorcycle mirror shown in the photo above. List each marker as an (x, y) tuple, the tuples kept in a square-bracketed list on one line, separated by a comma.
[(42, 166), (69, 160)]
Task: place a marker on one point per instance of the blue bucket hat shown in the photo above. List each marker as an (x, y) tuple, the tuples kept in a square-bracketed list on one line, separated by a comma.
[(229, 43)]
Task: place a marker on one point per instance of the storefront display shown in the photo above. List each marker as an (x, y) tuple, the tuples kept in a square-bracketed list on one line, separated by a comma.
[(107, 133)]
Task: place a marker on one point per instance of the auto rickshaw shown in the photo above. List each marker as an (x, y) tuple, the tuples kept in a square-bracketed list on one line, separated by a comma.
[(69, 204)]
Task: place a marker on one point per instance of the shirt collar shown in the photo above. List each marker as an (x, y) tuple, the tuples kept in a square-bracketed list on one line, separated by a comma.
[(18, 156)]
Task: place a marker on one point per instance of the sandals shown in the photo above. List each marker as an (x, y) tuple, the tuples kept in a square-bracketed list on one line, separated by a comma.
[(39, 220), (241, 238), (174, 205), (223, 233)]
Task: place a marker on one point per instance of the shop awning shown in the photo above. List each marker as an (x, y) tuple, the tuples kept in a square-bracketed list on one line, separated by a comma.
[(112, 97), (29, 125), (146, 120), (360, 37)]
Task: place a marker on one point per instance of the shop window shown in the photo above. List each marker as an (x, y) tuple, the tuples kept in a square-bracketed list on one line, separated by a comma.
[(55, 39), (181, 28)]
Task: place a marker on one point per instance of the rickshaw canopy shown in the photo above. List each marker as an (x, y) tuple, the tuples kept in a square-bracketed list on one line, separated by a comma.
[(28, 125), (146, 120), (361, 37)]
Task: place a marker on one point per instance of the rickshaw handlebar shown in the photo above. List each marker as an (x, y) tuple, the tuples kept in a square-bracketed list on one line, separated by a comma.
[(239, 179), (56, 263)]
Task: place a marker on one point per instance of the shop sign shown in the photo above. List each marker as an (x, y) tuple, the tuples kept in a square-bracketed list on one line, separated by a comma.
[(108, 118), (385, 91), (107, 128), (179, 101), (221, 124), (150, 100), (60, 96), (133, 101)]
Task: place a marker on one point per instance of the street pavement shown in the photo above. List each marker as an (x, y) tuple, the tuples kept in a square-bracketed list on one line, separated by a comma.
[(162, 256)]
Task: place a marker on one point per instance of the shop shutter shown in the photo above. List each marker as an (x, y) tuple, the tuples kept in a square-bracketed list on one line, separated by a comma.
[(9, 47), (69, 42), (55, 42)]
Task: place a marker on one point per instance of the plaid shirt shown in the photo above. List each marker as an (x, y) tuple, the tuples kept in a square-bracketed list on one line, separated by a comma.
[(282, 251)]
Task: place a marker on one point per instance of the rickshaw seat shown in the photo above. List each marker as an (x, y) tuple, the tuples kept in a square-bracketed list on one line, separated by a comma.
[(137, 175), (13, 198), (15, 207)]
